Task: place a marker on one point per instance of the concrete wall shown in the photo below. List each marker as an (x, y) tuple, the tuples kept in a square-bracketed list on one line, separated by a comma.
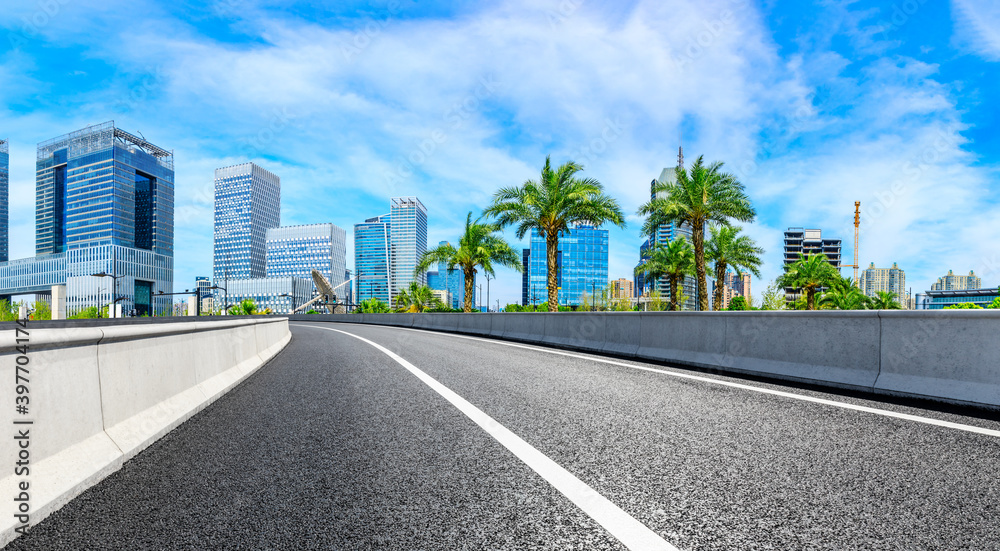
[(948, 356), (101, 394)]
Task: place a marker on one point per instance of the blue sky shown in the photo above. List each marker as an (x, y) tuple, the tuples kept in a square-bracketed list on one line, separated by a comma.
[(813, 106)]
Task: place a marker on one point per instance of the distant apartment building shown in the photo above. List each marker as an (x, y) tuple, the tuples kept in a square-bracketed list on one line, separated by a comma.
[(453, 282), (733, 285), (622, 288), (4, 202), (952, 282), (808, 242), (889, 280), (581, 265), (104, 223), (295, 251), (247, 204)]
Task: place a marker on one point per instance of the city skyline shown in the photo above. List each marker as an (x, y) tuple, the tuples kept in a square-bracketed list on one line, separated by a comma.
[(900, 100)]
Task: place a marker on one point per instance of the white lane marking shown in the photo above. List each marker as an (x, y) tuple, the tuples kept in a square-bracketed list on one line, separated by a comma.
[(783, 394), (632, 533)]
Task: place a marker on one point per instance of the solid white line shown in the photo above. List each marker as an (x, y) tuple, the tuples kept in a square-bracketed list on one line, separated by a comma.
[(632, 533), (783, 394)]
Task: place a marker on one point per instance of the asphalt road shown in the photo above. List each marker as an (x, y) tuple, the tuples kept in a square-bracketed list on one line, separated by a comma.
[(336, 445)]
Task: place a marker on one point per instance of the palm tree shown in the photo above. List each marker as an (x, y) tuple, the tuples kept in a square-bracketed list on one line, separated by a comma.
[(809, 274), (478, 246), (699, 196), (551, 205), (727, 248), (885, 300), (417, 299), (844, 295), (675, 260)]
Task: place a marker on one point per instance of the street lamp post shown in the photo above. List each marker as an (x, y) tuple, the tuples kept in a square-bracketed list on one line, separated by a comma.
[(487, 291)]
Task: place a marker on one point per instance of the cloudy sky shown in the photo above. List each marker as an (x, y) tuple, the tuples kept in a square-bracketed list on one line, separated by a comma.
[(892, 103)]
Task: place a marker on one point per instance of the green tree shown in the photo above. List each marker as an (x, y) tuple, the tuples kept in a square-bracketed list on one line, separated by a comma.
[(245, 307), (773, 297), (995, 305), (477, 247), (737, 304), (91, 312), (674, 260), (417, 298), (8, 310), (726, 248), (557, 200), (842, 294), (373, 306), (41, 310), (885, 300), (963, 306), (809, 275), (701, 195)]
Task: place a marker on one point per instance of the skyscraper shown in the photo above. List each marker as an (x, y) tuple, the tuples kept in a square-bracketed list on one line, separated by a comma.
[(247, 204), (808, 242), (581, 265), (372, 258), (408, 241), (952, 282), (453, 282), (104, 206), (890, 280), (733, 285), (4, 201), (298, 250)]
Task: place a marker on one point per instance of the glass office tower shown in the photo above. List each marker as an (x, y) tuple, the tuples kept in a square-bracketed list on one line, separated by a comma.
[(4, 201), (664, 234), (581, 264), (453, 282), (408, 242), (247, 204), (371, 258), (104, 204), (298, 250)]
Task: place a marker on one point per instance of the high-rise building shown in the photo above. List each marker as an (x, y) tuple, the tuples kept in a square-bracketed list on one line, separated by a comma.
[(372, 259), (104, 215), (733, 285), (622, 288), (408, 242), (281, 295), (581, 264), (890, 280), (453, 282), (247, 204), (952, 282), (4, 202), (298, 250), (526, 297), (808, 242)]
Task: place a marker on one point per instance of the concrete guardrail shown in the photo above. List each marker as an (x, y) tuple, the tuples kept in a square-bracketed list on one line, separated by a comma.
[(99, 395), (947, 356)]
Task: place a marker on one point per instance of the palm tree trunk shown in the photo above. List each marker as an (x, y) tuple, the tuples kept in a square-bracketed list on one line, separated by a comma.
[(470, 286), (810, 299), (698, 236), (720, 277), (551, 250), (673, 292)]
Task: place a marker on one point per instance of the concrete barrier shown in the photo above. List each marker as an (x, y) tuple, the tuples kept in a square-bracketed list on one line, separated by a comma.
[(101, 394), (947, 356)]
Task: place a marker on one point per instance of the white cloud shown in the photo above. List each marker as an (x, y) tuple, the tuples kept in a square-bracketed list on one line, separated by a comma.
[(977, 26)]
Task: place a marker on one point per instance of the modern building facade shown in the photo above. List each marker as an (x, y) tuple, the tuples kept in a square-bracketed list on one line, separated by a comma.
[(938, 299), (104, 215), (889, 280), (952, 282), (372, 259), (295, 251), (281, 295), (808, 242), (733, 285), (4, 201), (247, 204), (581, 264), (453, 282), (408, 242)]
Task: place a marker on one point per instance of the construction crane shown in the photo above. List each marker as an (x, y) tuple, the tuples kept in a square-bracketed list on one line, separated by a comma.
[(857, 224)]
